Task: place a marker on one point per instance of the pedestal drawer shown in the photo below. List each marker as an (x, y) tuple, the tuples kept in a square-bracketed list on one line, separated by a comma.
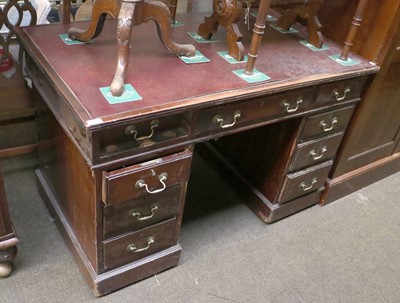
[(146, 178), (304, 182), (143, 211), (327, 123), (315, 151), (340, 91), (133, 246)]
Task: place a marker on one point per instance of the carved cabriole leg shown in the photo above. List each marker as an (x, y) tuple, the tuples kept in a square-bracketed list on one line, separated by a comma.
[(134, 13), (258, 32), (124, 28), (158, 12), (226, 13), (99, 14), (355, 24)]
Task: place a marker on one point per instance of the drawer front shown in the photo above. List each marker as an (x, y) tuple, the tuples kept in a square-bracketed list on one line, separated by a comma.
[(150, 177), (316, 151), (143, 211), (327, 123), (304, 182), (341, 91), (136, 137), (128, 248), (220, 118)]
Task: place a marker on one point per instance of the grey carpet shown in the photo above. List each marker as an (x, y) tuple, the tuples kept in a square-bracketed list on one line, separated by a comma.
[(347, 251)]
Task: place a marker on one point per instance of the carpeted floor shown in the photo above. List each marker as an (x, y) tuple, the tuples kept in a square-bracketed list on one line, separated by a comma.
[(347, 251)]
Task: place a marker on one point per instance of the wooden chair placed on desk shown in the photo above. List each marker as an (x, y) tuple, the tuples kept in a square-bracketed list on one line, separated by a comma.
[(129, 13)]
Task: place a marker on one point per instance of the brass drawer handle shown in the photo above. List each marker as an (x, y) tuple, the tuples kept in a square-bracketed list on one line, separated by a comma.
[(315, 156), (218, 119), (134, 249), (305, 187), (325, 126), (141, 183), (135, 213), (337, 96), (294, 109), (131, 130)]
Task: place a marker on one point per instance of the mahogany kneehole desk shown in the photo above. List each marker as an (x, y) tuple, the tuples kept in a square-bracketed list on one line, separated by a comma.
[(116, 174)]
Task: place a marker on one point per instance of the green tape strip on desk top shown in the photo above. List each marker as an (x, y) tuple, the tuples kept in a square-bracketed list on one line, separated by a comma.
[(227, 57), (68, 41), (129, 95)]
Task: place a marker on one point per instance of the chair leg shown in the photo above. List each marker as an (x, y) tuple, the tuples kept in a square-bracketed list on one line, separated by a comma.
[(124, 28), (99, 14), (158, 12), (227, 15)]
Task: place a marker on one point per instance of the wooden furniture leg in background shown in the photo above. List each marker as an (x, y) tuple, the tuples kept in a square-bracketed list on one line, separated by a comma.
[(130, 13), (306, 10), (8, 239), (226, 13), (355, 24), (258, 32), (172, 10)]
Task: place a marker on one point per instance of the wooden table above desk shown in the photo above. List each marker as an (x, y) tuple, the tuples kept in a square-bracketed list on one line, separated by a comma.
[(116, 174)]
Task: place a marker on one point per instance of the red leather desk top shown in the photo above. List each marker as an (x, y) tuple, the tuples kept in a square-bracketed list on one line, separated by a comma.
[(164, 81)]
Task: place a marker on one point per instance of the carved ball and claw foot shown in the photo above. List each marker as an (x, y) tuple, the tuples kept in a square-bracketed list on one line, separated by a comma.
[(308, 11), (226, 13), (6, 257), (130, 13)]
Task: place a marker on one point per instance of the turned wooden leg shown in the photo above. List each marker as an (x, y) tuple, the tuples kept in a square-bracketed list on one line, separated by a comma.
[(99, 14), (6, 257), (158, 12), (258, 32), (124, 28), (226, 13), (355, 24)]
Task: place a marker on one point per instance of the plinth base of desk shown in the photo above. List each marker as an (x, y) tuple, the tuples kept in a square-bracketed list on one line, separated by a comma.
[(270, 213), (117, 278), (266, 210)]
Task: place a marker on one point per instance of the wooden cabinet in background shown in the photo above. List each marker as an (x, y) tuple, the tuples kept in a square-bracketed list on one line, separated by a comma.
[(370, 149)]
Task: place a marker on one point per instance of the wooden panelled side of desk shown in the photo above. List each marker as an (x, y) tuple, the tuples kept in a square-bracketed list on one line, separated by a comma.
[(371, 148), (116, 174)]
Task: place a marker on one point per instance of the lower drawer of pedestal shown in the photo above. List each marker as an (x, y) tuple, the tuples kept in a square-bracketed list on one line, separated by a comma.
[(141, 212), (133, 246), (304, 182)]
